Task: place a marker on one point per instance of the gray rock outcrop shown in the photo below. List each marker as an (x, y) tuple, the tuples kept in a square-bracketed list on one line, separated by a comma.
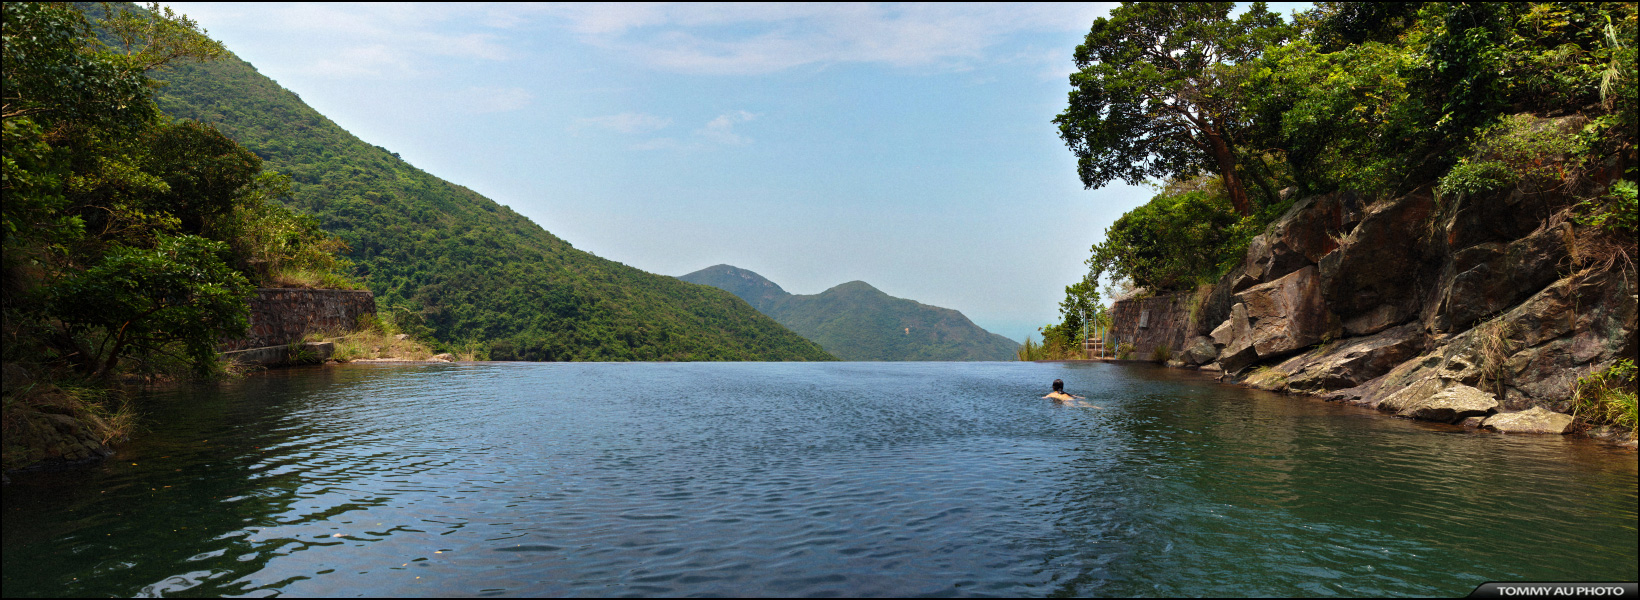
[(1274, 319), (1199, 351), (1451, 405), (1344, 363), (1534, 420)]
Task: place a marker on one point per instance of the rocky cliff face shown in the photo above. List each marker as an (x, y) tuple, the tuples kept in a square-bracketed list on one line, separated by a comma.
[(1435, 308)]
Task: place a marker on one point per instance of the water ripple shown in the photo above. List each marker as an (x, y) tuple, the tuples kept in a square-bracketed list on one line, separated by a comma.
[(806, 480)]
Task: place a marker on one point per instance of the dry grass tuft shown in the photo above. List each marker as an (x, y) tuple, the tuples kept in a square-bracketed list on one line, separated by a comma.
[(1494, 344)]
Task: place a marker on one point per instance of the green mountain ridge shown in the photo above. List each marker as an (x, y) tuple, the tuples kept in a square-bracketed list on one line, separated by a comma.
[(856, 321), (460, 266)]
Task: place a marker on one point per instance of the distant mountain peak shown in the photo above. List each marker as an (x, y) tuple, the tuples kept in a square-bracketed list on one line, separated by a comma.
[(854, 287), (749, 286), (857, 321), (751, 278)]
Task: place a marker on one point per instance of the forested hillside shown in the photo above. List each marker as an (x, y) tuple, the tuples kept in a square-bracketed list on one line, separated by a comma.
[(855, 321), (456, 265)]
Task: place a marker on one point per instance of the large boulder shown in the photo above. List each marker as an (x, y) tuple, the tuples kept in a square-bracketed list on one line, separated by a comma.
[(1198, 351), (1235, 341), (1577, 325), (1270, 258), (1216, 308), (1580, 324), (1451, 405), (1309, 230), (1286, 315), (1535, 420), (1412, 394)]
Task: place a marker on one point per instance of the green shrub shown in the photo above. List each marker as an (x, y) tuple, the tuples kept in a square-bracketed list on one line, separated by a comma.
[(1520, 149), (348, 349), (300, 353), (1608, 397), (1615, 212), (1478, 177), (1029, 350), (135, 301)]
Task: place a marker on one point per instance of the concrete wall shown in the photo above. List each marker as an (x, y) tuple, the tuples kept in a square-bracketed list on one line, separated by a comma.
[(1151, 322), (280, 316)]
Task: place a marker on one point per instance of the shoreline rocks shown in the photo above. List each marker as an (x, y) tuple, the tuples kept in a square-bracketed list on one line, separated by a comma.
[(1479, 309), (1535, 420)]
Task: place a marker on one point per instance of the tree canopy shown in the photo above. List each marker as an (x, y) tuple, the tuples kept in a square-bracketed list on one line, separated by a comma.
[(1157, 93)]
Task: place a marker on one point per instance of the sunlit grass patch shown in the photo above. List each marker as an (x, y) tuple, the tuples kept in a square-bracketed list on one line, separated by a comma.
[(1608, 397)]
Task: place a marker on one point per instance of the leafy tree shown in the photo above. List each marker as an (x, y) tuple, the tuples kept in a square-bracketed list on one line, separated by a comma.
[(1170, 243), (205, 173), (157, 37), (1077, 312), (269, 241), (1156, 94), (1334, 26), (51, 71), (137, 301)]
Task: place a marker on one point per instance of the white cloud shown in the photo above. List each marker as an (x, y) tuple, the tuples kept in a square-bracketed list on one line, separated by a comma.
[(627, 122), (354, 41), (762, 38), (721, 129), (360, 61), (384, 40), (480, 100), (661, 144)]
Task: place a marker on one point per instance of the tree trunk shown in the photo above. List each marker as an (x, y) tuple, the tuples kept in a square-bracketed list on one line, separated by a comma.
[(1227, 171)]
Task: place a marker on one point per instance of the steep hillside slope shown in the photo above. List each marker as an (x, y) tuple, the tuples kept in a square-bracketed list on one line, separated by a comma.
[(470, 269), (856, 321)]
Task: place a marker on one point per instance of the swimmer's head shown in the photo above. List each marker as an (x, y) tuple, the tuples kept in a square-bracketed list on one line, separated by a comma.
[(1059, 385)]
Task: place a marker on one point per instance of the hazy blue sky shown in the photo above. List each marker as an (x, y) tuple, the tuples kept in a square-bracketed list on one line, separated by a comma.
[(908, 146)]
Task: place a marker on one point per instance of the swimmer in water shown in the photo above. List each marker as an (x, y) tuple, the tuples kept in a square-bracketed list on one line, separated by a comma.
[(1058, 395)]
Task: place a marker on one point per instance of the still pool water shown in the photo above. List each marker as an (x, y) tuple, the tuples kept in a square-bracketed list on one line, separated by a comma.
[(815, 479)]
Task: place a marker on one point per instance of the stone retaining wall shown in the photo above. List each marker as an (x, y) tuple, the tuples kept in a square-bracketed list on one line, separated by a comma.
[(1148, 323), (280, 316)]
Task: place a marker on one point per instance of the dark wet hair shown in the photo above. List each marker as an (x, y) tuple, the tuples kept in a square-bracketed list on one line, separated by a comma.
[(1059, 385)]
